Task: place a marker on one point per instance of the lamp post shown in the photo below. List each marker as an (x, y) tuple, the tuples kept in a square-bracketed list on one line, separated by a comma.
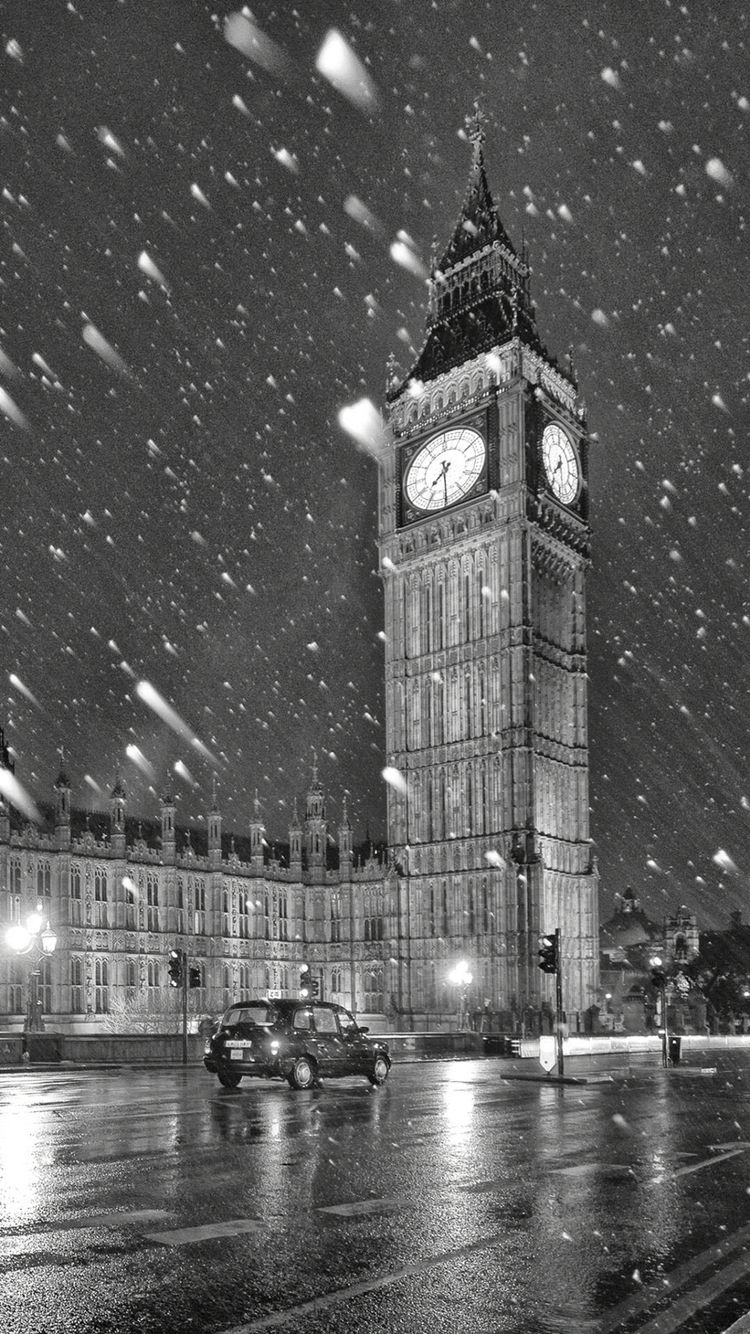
[(36, 942), (462, 978), (659, 979)]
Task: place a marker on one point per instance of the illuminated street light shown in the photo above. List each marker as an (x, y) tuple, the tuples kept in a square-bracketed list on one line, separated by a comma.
[(659, 980), (35, 944), (461, 978)]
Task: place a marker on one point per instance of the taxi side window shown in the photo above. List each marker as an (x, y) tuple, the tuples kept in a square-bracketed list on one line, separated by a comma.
[(348, 1024), (302, 1019), (325, 1021)]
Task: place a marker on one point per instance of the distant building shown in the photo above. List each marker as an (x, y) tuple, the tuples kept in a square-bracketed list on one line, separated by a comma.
[(629, 937), (629, 940), (121, 893), (681, 938)]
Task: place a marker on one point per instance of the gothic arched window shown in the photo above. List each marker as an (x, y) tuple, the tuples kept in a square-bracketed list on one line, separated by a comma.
[(101, 986), (100, 897), (77, 1005)]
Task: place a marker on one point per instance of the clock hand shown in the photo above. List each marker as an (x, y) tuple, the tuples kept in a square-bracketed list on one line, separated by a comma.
[(441, 475)]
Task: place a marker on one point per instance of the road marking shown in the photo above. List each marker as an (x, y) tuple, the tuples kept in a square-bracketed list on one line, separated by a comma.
[(364, 1207), (740, 1326), (582, 1169), (185, 1236), (685, 1307), (131, 1219), (705, 1162), (646, 1297), (340, 1295)]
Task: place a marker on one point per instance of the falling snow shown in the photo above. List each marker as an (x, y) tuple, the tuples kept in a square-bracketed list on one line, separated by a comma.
[(218, 227)]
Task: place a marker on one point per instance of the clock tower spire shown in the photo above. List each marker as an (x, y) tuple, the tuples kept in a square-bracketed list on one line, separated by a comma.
[(484, 542)]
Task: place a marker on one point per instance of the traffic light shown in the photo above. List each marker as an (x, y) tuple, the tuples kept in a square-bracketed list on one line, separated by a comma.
[(175, 968), (314, 987), (194, 975), (548, 954), (658, 971), (305, 981)]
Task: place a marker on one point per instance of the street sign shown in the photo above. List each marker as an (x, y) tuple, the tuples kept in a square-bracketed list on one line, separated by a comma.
[(548, 1051)]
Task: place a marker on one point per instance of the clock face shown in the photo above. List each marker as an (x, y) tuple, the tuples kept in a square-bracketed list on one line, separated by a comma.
[(560, 463), (445, 469)]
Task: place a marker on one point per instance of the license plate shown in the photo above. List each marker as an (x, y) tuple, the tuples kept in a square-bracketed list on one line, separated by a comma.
[(236, 1055)]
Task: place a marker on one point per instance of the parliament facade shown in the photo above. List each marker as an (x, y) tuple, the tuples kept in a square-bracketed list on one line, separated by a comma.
[(484, 551), (120, 895)]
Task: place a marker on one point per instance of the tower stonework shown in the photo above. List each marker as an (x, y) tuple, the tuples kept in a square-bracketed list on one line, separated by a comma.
[(484, 550)]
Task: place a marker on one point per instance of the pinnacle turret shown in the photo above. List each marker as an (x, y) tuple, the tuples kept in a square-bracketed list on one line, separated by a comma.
[(479, 290), (478, 224)]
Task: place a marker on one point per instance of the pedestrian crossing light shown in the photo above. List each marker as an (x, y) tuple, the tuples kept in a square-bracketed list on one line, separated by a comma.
[(305, 981), (548, 954), (194, 975), (175, 968)]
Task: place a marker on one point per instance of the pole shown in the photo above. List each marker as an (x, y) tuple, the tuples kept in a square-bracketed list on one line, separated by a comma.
[(184, 1006), (34, 1021), (665, 1033), (559, 1002)]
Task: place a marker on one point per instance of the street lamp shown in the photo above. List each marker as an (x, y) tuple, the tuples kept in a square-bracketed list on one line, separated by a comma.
[(35, 944), (659, 979), (462, 978)]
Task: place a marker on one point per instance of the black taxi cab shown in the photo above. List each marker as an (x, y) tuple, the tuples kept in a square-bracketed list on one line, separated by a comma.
[(301, 1041)]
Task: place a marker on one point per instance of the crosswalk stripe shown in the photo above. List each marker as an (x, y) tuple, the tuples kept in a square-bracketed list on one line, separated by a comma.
[(360, 1207), (116, 1219), (185, 1236)]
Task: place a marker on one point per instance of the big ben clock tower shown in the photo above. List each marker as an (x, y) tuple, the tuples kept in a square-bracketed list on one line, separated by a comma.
[(484, 549)]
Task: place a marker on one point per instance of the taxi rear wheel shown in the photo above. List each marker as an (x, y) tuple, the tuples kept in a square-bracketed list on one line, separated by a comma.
[(379, 1071), (302, 1074), (228, 1078)]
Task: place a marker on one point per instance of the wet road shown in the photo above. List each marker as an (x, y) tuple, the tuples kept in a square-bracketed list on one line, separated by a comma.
[(450, 1199)]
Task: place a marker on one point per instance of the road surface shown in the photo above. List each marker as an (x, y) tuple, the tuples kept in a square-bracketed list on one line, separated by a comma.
[(453, 1198)]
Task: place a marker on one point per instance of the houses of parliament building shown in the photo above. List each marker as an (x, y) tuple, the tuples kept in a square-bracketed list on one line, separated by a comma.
[(484, 550)]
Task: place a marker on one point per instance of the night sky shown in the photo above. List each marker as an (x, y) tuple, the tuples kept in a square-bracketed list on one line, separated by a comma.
[(211, 246)]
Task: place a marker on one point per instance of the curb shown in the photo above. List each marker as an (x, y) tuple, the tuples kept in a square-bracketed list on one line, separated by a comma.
[(547, 1079)]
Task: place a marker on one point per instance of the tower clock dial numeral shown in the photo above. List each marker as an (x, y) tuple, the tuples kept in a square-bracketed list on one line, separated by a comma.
[(560, 463), (445, 469)]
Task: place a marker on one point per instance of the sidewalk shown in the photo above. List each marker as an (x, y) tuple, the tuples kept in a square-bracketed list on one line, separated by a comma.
[(583, 1056)]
